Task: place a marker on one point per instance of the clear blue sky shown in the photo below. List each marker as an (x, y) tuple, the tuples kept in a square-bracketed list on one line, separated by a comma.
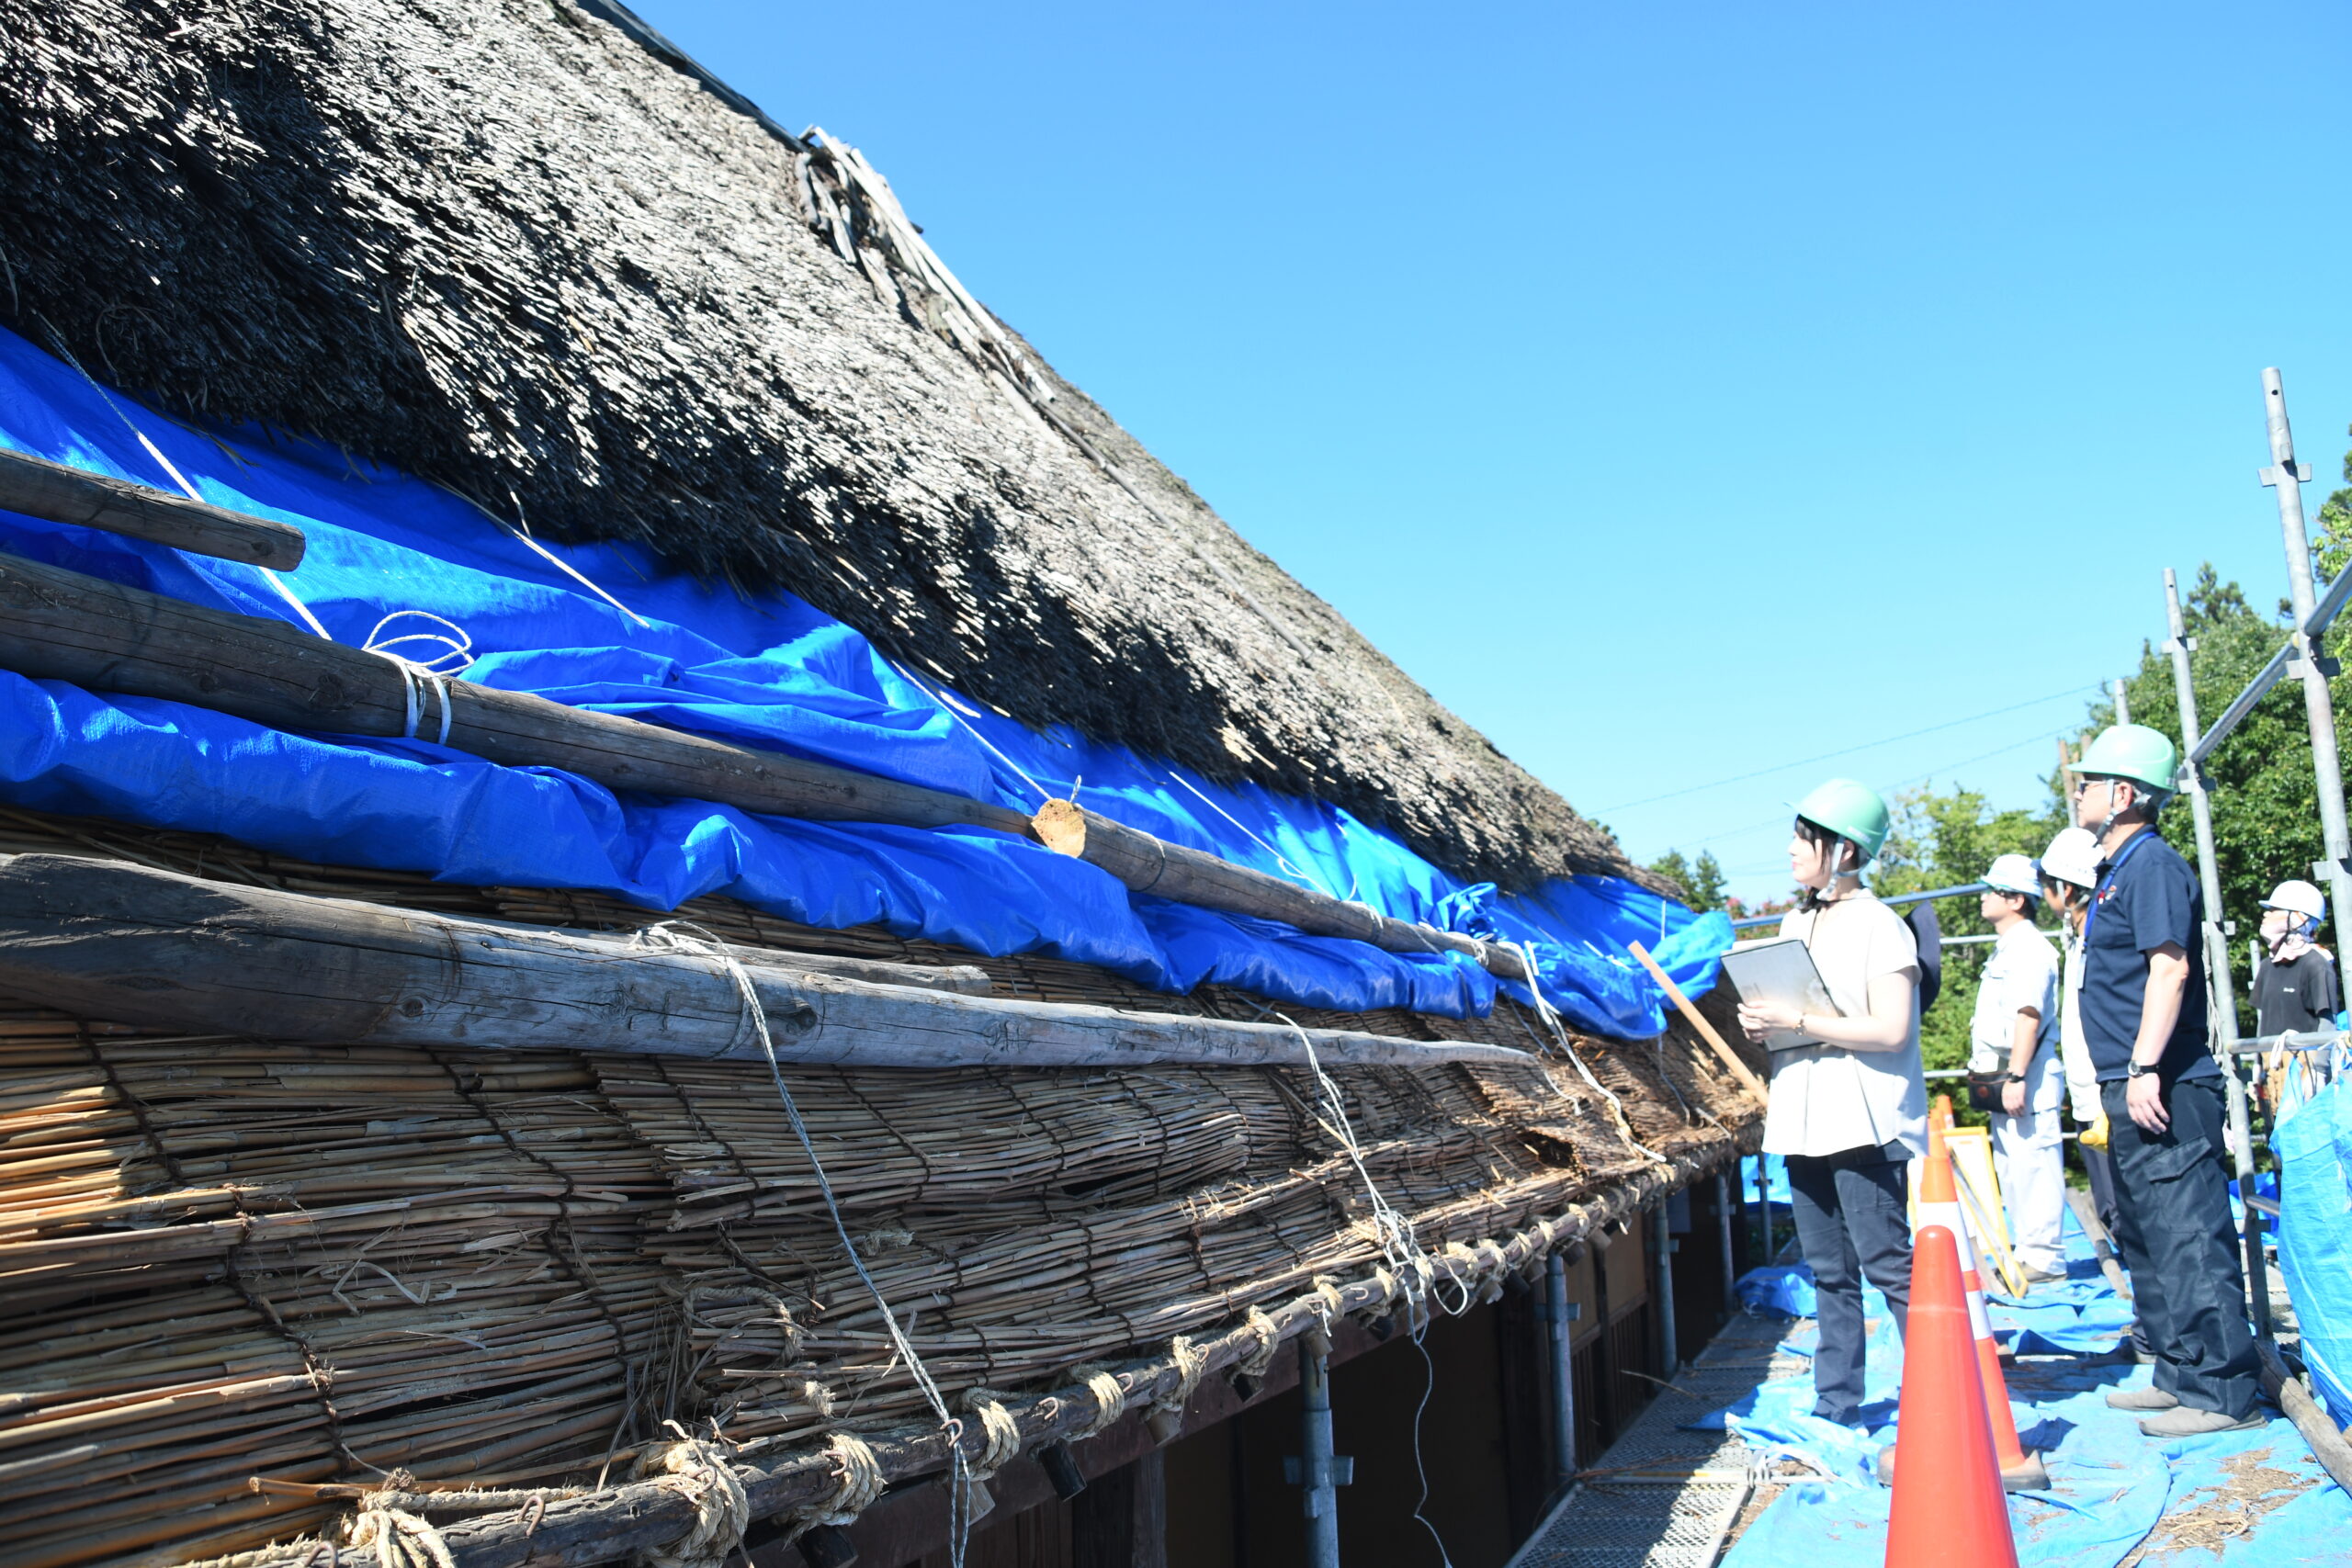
[(1599, 361)]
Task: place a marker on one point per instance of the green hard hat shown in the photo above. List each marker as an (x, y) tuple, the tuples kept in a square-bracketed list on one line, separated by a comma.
[(2134, 752), (1850, 811)]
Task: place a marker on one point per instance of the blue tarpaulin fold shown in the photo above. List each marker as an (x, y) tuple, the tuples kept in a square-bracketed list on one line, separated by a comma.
[(765, 671)]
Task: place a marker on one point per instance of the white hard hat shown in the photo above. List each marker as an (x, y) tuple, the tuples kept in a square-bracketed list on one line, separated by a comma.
[(2013, 874), (2297, 898), (2073, 856)]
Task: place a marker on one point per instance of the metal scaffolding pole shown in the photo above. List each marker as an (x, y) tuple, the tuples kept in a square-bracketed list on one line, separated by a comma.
[(2223, 1009), (1670, 1351), (2287, 476), (1558, 1313), (1723, 1224), (1320, 1469)]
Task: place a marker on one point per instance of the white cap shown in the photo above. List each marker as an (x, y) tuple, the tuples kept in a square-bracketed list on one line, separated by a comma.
[(2073, 856), (2297, 898), (2013, 874)]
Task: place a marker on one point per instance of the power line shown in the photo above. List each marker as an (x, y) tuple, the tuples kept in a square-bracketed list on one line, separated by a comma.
[(1922, 778), (1848, 752)]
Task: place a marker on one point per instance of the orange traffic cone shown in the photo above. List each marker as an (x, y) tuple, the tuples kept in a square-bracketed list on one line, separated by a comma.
[(1949, 1510), (1939, 1205)]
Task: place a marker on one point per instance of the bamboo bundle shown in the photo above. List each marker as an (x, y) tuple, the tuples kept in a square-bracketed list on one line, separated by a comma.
[(309, 1263), (222, 1259)]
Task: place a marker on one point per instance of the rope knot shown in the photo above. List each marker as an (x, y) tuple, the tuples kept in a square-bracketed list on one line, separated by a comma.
[(1110, 1398), (399, 1538), (419, 677), (858, 1482), (1268, 1338), (1166, 1417), (699, 1472), (1002, 1432)]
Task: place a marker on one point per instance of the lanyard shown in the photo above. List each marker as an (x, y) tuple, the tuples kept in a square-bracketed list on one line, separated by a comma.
[(2107, 883)]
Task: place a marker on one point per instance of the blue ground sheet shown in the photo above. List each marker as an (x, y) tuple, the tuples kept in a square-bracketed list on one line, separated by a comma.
[(765, 671), (2234, 1498)]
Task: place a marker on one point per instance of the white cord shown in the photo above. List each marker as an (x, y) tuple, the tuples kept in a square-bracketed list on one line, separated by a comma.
[(685, 937), (1560, 1037), (1280, 859), (420, 676), (949, 707)]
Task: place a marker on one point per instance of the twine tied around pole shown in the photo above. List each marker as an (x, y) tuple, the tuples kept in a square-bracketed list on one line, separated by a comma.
[(399, 1538), (699, 1472), (1270, 1339), (998, 1431), (1166, 1417), (1110, 1399), (857, 1482), (1328, 1302)]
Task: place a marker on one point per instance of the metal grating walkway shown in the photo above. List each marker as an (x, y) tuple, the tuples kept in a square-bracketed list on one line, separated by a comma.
[(1663, 1496)]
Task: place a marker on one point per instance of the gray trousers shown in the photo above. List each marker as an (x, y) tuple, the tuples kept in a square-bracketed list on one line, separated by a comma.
[(1852, 1224), (2173, 1228)]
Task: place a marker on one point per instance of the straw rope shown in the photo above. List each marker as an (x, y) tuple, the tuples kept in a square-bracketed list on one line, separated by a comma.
[(401, 1540), (700, 1472), (1110, 1399), (858, 1480), (998, 1429)]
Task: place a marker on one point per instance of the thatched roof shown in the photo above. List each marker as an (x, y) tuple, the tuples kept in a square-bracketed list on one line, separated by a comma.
[(500, 244)]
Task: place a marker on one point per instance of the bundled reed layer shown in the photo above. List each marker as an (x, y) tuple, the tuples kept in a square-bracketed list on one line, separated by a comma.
[(222, 1260)]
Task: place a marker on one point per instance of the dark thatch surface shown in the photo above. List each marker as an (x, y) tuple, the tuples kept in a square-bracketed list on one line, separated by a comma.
[(497, 244)]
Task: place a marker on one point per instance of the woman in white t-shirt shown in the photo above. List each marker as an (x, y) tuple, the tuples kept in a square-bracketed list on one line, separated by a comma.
[(1849, 1112)]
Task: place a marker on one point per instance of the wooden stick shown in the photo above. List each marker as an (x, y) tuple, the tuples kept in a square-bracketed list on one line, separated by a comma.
[(1707, 1031), (112, 939), (2080, 1201), (61, 494), (2327, 1444)]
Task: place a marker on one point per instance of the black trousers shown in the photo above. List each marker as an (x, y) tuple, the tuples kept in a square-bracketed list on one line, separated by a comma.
[(2101, 1171), (2173, 1226), (1852, 1222)]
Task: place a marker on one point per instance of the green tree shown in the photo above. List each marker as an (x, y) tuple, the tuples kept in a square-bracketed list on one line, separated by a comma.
[(1702, 880), (1942, 840), (2332, 551)]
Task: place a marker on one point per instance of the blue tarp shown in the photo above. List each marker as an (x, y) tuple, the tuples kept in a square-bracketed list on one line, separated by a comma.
[(768, 671), (2110, 1485), (2313, 1146)]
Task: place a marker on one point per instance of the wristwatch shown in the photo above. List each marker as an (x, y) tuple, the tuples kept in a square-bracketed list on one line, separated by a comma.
[(2139, 1070), (2013, 1078)]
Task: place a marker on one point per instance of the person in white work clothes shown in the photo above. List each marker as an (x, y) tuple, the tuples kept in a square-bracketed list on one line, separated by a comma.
[(1849, 1112), (2014, 1031)]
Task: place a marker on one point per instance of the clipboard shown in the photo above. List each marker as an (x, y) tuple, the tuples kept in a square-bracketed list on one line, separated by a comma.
[(1780, 969)]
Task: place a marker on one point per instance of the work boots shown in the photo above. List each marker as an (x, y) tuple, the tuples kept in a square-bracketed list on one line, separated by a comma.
[(2149, 1399)]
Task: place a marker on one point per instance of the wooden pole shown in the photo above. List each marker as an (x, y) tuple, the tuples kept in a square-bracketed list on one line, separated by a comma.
[(1739, 1070), (111, 939), (1147, 864), (62, 494), (61, 625)]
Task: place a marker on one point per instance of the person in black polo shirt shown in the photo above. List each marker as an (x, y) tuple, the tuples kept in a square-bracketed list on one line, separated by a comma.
[(2144, 1009), (2294, 989)]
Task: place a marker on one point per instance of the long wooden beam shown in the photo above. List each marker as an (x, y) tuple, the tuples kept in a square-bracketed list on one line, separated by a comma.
[(1149, 864), (60, 625), (38, 488), (111, 939)]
